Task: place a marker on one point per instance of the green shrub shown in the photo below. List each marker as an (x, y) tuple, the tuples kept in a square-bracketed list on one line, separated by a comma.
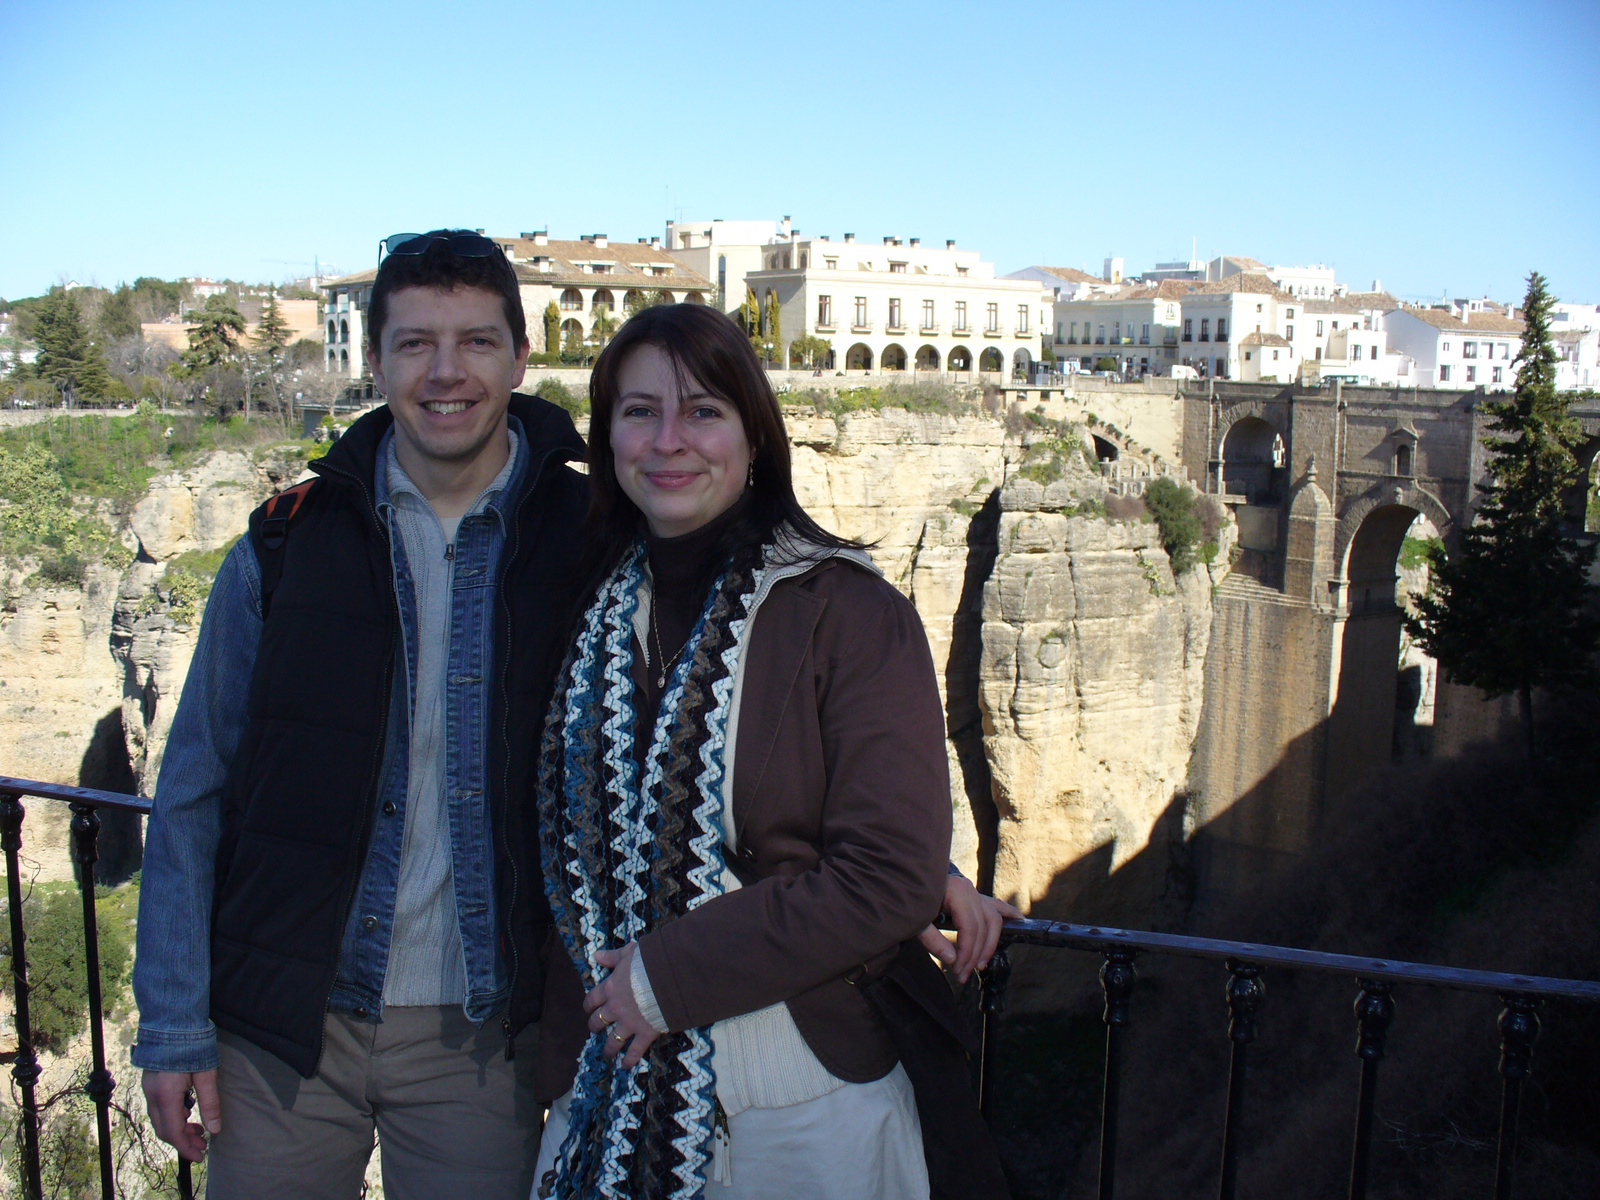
[(560, 394), (1172, 507), (187, 582), (1417, 552), (58, 993)]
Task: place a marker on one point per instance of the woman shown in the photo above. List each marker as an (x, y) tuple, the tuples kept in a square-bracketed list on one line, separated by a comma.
[(744, 809)]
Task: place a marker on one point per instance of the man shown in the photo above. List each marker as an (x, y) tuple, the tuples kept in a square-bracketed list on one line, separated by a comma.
[(338, 870)]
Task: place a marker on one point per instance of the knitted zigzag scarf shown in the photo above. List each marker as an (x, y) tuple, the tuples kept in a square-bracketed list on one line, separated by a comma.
[(624, 855)]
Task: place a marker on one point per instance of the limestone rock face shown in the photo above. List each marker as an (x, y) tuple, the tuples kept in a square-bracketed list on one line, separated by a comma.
[(198, 509), (1092, 669)]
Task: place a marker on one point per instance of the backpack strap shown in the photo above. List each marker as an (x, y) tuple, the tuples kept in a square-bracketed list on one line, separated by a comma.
[(272, 533)]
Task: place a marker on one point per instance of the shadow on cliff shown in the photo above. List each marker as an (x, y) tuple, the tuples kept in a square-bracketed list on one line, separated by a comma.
[(106, 766), (1481, 860), (963, 714)]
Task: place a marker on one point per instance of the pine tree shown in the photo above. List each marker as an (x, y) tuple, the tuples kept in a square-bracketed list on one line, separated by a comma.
[(68, 359), (117, 319), (272, 338), (552, 328), (214, 340), (1512, 610)]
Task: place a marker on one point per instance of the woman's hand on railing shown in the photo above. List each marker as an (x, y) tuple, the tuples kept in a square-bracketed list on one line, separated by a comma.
[(977, 919), (165, 1093), (613, 1010)]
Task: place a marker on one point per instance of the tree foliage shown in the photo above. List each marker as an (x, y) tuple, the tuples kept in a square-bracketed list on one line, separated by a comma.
[(68, 358), (552, 327), (117, 318), (1513, 610), (809, 351), (58, 990), (214, 340), (1171, 506)]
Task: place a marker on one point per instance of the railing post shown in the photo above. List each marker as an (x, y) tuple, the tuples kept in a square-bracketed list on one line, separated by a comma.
[(1116, 977), (1519, 1029), (85, 833), (991, 1003), (1245, 993), (1374, 1011), (25, 1068)]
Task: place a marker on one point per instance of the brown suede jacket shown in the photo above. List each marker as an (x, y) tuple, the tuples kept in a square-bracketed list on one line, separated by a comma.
[(841, 802)]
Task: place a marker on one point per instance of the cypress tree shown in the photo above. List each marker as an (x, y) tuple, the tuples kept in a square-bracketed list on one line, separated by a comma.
[(68, 359), (1513, 609), (215, 338), (552, 328)]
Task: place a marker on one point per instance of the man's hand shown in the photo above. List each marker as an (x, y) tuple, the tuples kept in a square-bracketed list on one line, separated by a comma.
[(164, 1093), (977, 919), (612, 1009)]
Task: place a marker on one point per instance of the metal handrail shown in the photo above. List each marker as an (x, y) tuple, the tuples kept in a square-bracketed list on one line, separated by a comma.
[(1247, 962), (100, 1087)]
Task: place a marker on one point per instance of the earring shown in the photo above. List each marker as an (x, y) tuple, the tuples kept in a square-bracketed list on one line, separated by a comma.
[(750, 476)]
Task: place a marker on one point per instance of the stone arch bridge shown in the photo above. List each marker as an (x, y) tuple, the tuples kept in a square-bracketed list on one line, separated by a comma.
[(1302, 669)]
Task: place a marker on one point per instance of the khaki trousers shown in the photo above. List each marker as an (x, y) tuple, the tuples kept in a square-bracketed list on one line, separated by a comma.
[(454, 1118)]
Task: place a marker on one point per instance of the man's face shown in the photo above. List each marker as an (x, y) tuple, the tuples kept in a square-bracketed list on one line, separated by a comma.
[(448, 366)]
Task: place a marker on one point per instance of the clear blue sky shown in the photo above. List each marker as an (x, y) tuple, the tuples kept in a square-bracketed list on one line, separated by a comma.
[(1435, 146)]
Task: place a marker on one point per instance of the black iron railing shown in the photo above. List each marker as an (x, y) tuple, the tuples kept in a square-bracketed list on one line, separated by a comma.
[(100, 1087), (1246, 964), (1245, 993)]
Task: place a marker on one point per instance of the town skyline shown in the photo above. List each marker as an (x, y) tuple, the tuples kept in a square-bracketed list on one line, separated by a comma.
[(1401, 145)]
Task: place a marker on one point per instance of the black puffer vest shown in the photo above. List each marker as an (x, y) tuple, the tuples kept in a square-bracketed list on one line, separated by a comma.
[(298, 805)]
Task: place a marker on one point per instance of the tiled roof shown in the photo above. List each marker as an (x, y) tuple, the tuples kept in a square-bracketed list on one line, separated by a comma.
[(1244, 263), (1437, 317), (1487, 322), (1379, 301), (1263, 339), (1249, 282), (629, 265), (1071, 274), (1339, 305), (1571, 337)]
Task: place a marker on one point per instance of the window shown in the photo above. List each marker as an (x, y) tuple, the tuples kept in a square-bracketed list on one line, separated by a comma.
[(861, 311), (1072, 334), (1116, 333), (961, 315), (803, 260), (830, 264), (1444, 374), (1469, 349), (1319, 328), (962, 271), (927, 314), (897, 268), (1288, 332), (1222, 329), (1205, 329), (894, 313), (1499, 375), (1445, 347), (991, 312), (1274, 356), (1402, 460), (1144, 334), (1100, 338), (1319, 353), (1472, 374), (1188, 329), (1505, 349), (1022, 318), (572, 299), (825, 311), (1355, 353), (1290, 314), (1258, 308)]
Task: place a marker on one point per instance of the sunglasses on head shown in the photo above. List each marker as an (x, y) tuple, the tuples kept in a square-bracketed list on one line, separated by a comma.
[(466, 245)]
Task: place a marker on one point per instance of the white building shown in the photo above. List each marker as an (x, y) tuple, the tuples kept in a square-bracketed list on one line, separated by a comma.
[(1575, 330), (902, 306), (1344, 339), (724, 252), (586, 279), (1452, 353), (1135, 326), (1314, 282)]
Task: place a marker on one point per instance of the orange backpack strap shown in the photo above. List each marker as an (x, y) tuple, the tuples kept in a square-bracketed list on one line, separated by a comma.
[(272, 533)]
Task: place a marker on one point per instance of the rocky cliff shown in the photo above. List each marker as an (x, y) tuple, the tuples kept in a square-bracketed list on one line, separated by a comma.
[(1067, 655)]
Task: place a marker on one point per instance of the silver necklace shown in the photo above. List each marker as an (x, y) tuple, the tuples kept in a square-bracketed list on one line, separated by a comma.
[(661, 679)]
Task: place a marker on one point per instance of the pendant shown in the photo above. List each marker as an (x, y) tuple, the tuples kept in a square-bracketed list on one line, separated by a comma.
[(661, 682)]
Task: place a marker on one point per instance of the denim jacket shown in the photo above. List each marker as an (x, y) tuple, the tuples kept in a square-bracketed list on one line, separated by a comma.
[(172, 969)]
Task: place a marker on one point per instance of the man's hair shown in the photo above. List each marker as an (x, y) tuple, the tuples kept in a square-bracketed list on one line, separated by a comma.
[(437, 267)]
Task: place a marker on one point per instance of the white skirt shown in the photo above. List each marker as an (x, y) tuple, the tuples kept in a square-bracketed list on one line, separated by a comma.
[(863, 1139)]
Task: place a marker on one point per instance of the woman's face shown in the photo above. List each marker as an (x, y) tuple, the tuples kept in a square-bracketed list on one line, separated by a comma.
[(681, 453)]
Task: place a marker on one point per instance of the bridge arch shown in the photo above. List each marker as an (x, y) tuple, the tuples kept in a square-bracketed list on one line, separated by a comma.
[(1583, 509), (1381, 537), (1252, 460)]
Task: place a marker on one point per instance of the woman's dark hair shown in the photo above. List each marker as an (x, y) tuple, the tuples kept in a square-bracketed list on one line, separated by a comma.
[(708, 348), (438, 267)]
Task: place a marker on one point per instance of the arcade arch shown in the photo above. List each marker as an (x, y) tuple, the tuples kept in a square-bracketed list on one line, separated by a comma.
[(960, 359), (927, 359), (858, 358), (992, 360), (894, 357)]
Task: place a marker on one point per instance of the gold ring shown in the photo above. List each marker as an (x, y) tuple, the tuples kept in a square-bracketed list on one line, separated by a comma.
[(621, 1037), (605, 1020)]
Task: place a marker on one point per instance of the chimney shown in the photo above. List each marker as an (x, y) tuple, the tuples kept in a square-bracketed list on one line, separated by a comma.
[(949, 243), (888, 241), (644, 241), (849, 238), (1377, 285), (600, 241), (916, 241), (655, 243), (542, 238), (783, 228)]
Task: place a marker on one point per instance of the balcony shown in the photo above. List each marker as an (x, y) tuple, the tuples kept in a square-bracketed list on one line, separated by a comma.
[(1188, 337), (994, 331), (1023, 331), (1144, 340), (1099, 341), (895, 327), (1508, 1007), (929, 330), (830, 327), (861, 327), (1222, 335), (962, 329)]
